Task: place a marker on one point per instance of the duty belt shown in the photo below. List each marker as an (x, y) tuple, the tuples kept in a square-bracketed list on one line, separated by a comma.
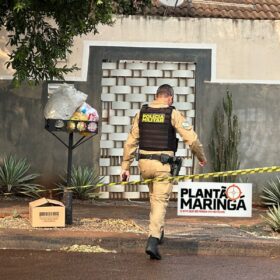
[(150, 156), (175, 162)]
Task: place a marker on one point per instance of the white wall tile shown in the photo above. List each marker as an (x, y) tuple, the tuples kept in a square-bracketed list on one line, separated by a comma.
[(187, 162), (191, 66), (118, 136), (131, 195), (109, 65), (120, 105), (183, 90), (190, 98), (105, 89), (135, 97), (108, 81), (182, 106), (104, 195), (114, 170), (149, 90), (121, 72), (131, 112), (116, 188), (134, 177), (152, 73), (119, 120), (106, 128), (182, 171), (120, 89), (105, 73), (106, 180), (182, 73), (104, 136), (143, 188), (167, 66), (191, 113), (115, 152), (181, 152), (104, 162), (105, 114), (191, 82), (136, 81), (106, 144), (108, 97), (172, 82), (136, 65)]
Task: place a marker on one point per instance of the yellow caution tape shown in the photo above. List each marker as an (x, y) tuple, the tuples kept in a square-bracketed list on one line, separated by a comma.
[(197, 176), (175, 178)]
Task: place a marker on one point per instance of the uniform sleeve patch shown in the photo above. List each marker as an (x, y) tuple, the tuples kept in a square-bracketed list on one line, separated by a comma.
[(186, 125)]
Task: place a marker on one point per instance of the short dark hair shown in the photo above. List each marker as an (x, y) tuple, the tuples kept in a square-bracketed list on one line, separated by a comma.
[(165, 90)]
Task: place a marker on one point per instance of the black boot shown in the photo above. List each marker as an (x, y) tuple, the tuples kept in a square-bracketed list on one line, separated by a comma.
[(161, 238), (152, 248)]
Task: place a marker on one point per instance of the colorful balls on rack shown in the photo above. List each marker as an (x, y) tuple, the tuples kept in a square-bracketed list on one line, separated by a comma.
[(92, 127), (71, 126), (81, 126)]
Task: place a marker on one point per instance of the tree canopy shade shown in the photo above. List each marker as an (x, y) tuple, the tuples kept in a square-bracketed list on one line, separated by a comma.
[(41, 32)]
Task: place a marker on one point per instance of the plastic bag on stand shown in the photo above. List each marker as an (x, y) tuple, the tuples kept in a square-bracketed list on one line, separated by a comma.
[(90, 112), (64, 102)]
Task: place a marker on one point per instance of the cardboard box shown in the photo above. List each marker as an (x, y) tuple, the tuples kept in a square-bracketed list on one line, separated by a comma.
[(45, 212)]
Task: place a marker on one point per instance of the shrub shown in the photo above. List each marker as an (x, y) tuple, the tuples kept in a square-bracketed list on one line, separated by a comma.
[(83, 182), (271, 192), (15, 180), (273, 217)]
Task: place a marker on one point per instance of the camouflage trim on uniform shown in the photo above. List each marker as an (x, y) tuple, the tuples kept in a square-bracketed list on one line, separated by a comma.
[(197, 150)]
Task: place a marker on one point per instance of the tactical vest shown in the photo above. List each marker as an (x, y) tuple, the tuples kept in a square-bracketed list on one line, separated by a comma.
[(156, 130)]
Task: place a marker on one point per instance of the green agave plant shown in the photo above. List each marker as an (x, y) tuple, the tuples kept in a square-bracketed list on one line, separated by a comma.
[(83, 182), (273, 218), (271, 193), (15, 180)]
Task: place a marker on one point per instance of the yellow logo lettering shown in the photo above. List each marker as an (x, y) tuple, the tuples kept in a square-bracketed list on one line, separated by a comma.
[(153, 118)]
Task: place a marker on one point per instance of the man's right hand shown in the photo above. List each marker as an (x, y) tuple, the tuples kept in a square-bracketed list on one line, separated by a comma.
[(202, 163), (124, 176)]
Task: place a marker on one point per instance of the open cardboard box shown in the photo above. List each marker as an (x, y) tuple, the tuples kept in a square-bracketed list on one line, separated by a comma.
[(45, 212)]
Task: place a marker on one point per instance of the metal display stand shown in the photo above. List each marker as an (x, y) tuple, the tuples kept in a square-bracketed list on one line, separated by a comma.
[(89, 129)]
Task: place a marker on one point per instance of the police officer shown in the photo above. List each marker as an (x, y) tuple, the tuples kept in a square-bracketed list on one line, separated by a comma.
[(154, 131)]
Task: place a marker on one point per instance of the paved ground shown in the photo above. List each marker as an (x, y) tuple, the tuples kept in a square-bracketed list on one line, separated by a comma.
[(190, 235), (26, 265)]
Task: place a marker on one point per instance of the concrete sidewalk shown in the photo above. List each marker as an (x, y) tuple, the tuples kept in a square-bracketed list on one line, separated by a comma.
[(190, 235)]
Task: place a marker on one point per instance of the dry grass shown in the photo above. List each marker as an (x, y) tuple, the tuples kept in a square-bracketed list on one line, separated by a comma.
[(85, 224)]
